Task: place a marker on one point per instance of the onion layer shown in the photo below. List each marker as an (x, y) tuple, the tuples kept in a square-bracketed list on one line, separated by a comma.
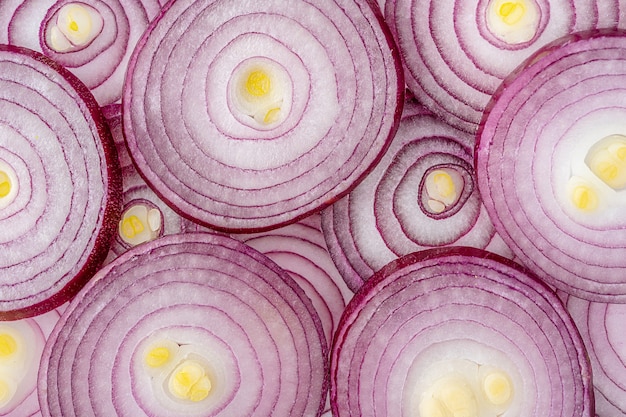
[(248, 116), (193, 324), (458, 328), (59, 184), (549, 167)]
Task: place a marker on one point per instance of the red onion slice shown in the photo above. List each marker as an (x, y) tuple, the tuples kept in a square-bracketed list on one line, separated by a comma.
[(193, 305), (458, 327), (92, 38), (60, 184), (247, 117), (421, 195), (548, 130), (456, 53)]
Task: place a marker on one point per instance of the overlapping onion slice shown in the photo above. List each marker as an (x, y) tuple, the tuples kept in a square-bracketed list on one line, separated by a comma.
[(248, 116), (193, 324), (456, 53), (92, 38), (550, 165), (145, 216), (59, 184), (421, 195), (602, 328), (21, 347), (458, 331)]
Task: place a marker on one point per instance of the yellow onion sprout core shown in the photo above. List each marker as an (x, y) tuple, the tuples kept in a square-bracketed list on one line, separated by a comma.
[(444, 187), (513, 21), (140, 223), (607, 160), (76, 25), (583, 194), (8, 184), (189, 381)]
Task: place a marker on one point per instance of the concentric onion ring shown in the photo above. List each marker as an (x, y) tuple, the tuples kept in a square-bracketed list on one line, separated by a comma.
[(456, 53), (421, 195), (458, 328), (247, 116), (183, 305), (59, 184), (549, 168), (92, 38)]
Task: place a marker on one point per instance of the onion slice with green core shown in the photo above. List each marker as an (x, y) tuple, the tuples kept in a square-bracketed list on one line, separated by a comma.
[(192, 324), (421, 195), (59, 184), (550, 164), (249, 116), (458, 330), (456, 53)]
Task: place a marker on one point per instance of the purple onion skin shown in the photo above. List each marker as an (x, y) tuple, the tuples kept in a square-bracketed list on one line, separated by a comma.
[(586, 404), (109, 214)]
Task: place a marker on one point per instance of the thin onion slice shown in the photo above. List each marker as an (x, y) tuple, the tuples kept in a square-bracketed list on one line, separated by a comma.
[(249, 116), (549, 164), (452, 329), (193, 324), (421, 195), (456, 53), (59, 184)]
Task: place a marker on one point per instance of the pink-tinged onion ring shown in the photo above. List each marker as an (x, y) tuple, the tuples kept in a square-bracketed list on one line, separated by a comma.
[(145, 216), (602, 328), (458, 328), (21, 346), (456, 53), (194, 324), (550, 164), (59, 184), (421, 195), (249, 116), (92, 38)]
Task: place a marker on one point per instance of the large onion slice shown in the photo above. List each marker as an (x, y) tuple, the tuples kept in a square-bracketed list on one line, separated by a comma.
[(92, 38), (421, 195), (250, 115), (193, 324), (59, 184), (453, 329), (550, 164), (456, 53)]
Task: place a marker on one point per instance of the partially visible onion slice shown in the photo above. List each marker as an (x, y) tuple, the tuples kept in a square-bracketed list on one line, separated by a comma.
[(421, 195), (549, 131), (458, 328), (249, 116), (456, 53), (193, 324), (92, 38), (59, 184)]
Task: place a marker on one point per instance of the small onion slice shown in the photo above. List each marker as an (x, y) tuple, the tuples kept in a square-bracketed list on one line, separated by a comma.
[(92, 38), (249, 116), (448, 329), (193, 324), (456, 53), (550, 164), (59, 184), (421, 195)]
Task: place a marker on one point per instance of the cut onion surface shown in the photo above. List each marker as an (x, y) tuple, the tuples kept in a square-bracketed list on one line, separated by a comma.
[(145, 216), (92, 38), (246, 116), (551, 164), (421, 195), (602, 328), (456, 53), (458, 331), (59, 184), (194, 324), (21, 347)]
